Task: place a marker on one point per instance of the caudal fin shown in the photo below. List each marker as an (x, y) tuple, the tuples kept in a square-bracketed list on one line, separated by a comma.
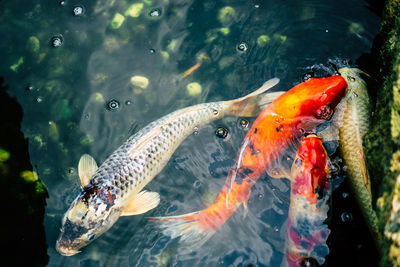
[(252, 104), (188, 227)]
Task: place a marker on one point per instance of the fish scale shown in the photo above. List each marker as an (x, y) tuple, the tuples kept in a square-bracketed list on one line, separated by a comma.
[(356, 122), (115, 188)]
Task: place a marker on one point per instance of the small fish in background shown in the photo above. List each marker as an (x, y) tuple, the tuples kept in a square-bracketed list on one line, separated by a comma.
[(277, 128), (354, 126), (310, 191), (115, 188)]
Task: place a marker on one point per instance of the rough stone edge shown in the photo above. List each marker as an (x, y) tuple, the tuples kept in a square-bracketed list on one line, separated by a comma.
[(383, 141)]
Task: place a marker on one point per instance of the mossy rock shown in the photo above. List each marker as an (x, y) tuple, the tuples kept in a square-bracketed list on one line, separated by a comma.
[(383, 140)]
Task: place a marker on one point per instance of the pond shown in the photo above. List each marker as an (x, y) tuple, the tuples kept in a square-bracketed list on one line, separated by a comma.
[(89, 74)]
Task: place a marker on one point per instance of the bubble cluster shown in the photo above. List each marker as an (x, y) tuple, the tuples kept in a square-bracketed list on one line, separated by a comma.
[(57, 41), (221, 132), (113, 105)]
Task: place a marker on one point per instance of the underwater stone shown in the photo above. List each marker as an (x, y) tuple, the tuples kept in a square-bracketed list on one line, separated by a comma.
[(53, 131), (193, 89), (263, 40), (226, 15), (15, 67), (33, 45), (165, 55), (134, 10), (172, 45), (225, 30), (226, 62), (29, 176), (117, 21), (87, 140), (97, 98), (280, 38), (356, 28), (139, 81), (4, 155), (40, 188)]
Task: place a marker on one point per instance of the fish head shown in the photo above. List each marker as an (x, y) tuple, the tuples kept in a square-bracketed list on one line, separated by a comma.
[(354, 80), (310, 169), (91, 214), (316, 98)]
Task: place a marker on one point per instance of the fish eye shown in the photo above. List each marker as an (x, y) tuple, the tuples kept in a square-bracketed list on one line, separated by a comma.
[(91, 237)]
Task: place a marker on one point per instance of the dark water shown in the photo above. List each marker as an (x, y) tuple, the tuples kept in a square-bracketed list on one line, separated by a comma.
[(65, 91)]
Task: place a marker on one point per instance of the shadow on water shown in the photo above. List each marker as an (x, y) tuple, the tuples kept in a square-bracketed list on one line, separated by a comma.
[(23, 195)]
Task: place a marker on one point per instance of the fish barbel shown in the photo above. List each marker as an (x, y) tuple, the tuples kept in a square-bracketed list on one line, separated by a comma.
[(309, 194), (279, 126), (356, 122), (115, 188)]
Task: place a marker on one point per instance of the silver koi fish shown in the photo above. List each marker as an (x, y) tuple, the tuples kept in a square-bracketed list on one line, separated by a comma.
[(115, 188)]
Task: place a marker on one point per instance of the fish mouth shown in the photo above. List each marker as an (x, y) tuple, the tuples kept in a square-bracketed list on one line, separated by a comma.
[(64, 249)]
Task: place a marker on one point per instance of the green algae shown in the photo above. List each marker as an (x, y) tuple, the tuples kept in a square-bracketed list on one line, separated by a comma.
[(117, 21), (29, 176)]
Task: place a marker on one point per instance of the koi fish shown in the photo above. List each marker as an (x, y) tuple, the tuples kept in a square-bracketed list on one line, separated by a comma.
[(356, 122), (310, 191), (115, 188), (291, 115)]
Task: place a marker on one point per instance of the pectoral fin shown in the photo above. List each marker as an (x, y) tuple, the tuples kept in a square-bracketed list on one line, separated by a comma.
[(141, 203), (86, 168)]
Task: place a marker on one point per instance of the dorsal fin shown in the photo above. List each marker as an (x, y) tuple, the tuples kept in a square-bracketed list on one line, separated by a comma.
[(86, 168)]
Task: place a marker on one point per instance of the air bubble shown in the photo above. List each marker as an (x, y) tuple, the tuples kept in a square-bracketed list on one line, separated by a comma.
[(196, 130), (244, 123), (242, 47), (29, 88), (152, 51), (346, 217), (57, 41), (221, 132), (256, 6), (308, 76), (78, 10), (128, 102), (260, 196), (308, 262), (71, 170), (215, 112), (345, 195), (155, 12), (113, 105), (38, 100), (62, 3)]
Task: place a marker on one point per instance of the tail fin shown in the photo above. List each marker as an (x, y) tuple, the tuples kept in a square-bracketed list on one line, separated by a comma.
[(188, 227), (252, 104)]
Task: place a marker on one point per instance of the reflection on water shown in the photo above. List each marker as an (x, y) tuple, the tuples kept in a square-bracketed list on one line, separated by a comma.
[(80, 64)]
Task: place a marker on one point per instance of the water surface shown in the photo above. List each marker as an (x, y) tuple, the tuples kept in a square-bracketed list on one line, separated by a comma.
[(239, 45)]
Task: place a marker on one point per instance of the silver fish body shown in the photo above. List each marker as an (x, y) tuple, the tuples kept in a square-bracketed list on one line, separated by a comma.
[(114, 189), (356, 122)]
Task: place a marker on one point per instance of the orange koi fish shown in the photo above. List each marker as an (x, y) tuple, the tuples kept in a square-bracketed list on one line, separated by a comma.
[(310, 192), (281, 123)]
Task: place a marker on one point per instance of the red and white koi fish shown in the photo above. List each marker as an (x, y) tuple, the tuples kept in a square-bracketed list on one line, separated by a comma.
[(310, 191)]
